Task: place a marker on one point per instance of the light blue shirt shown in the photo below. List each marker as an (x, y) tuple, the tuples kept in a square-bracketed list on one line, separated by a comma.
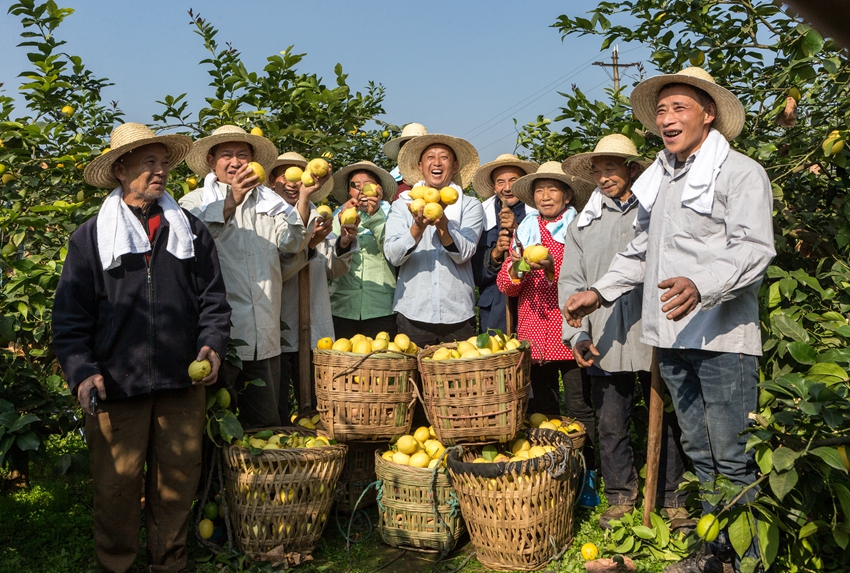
[(434, 284)]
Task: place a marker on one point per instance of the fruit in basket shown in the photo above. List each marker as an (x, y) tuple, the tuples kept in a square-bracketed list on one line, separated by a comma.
[(401, 458), (519, 444), (383, 335), (407, 444), (342, 344), (434, 448), (206, 528), (393, 346), (388, 455), (547, 425), (536, 419), (379, 344), (573, 427), (306, 423), (402, 341), (441, 354), (419, 460), (211, 510), (325, 343), (361, 347), (465, 345), (421, 434)]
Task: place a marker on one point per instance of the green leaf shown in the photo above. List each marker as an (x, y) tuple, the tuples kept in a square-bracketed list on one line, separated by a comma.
[(784, 458), (830, 456), (790, 328), (841, 534), (802, 353), (809, 529), (27, 441), (764, 459), (827, 372), (23, 421), (812, 43), (659, 525), (644, 532), (230, 428), (787, 287), (626, 546), (742, 529), (774, 297), (768, 539), (843, 495), (783, 482)]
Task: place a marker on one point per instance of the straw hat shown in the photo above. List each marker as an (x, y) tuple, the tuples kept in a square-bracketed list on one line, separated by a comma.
[(523, 188), (295, 158), (730, 112), (467, 157), (264, 150), (482, 181), (387, 182), (409, 131), (615, 145), (124, 139)]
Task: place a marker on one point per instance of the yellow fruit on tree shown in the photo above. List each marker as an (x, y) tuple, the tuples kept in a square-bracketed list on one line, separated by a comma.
[(293, 174), (589, 552), (222, 398), (407, 444), (7, 177), (199, 370), (422, 434), (2, 169), (535, 253), (81, 196), (708, 527), (256, 131), (416, 205), (342, 344), (416, 193), (325, 343), (697, 59), (402, 341), (419, 460), (369, 190), (834, 140), (842, 452), (433, 211), (449, 195), (68, 110), (348, 217), (206, 528), (795, 93), (431, 195), (318, 167), (324, 212), (192, 183)]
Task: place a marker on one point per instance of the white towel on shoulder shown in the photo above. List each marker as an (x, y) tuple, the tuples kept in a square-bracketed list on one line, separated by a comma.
[(268, 201), (702, 176), (592, 210), (119, 231)]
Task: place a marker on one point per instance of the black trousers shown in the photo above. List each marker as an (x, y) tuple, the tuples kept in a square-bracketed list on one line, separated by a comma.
[(424, 333)]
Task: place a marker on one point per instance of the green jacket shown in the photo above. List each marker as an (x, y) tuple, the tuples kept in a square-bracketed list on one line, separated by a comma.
[(367, 289)]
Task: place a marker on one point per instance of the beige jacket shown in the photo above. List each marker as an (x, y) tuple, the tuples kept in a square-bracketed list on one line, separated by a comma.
[(250, 245)]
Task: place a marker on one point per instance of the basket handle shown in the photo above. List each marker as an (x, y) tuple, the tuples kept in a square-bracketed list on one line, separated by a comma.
[(357, 364), (473, 415)]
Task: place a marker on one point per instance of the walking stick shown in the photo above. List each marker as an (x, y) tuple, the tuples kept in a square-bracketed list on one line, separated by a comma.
[(510, 301), (653, 440), (305, 383)]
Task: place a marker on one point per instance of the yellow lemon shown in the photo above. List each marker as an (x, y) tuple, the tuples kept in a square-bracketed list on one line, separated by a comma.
[(388, 455), (422, 434), (412, 349), (519, 445), (256, 131), (206, 528), (589, 551), (318, 167), (433, 211), (393, 346), (199, 370), (357, 337), (431, 195), (471, 353), (547, 425), (306, 423), (258, 171), (464, 345), (307, 179), (401, 458), (441, 354), (407, 444), (383, 334), (416, 205), (449, 195), (708, 527), (222, 398), (434, 448), (795, 93), (369, 190), (433, 463), (536, 419), (536, 451), (342, 344), (324, 212), (348, 217), (556, 422), (325, 343), (192, 183), (535, 253), (379, 344), (416, 193), (68, 110), (293, 174), (419, 460), (362, 347), (573, 427)]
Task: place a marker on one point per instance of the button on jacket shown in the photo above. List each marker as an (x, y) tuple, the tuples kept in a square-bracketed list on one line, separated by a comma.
[(249, 247), (725, 254), (615, 329)]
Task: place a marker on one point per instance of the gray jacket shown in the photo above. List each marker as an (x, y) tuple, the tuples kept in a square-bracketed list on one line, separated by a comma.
[(615, 329), (724, 254)]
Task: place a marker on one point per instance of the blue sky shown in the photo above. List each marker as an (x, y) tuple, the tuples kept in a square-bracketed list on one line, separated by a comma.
[(459, 67)]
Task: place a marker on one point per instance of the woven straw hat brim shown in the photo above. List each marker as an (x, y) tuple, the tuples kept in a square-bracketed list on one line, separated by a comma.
[(265, 152), (730, 112), (523, 188), (482, 182), (465, 153), (392, 147), (340, 179), (615, 145), (98, 173), (294, 158)]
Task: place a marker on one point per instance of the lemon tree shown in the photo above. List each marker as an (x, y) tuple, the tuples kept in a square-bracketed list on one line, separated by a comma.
[(800, 506)]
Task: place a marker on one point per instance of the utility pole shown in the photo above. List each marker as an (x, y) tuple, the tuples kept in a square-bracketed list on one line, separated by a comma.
[(616, 66)]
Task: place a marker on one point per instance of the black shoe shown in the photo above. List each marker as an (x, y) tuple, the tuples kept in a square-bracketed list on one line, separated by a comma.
[(701, 562)]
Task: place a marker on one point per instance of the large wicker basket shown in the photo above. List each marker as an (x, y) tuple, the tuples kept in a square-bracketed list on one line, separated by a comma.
[(357, 475), (365, 398), (279, 500), (519, 514), (476, 400), (406, 517)]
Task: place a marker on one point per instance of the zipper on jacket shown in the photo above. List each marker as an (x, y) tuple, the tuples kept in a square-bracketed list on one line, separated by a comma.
[(151, 324)]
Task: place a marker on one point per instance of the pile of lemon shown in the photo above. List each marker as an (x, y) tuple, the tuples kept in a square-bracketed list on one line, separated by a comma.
[(269, 440), (475, 346), (360, 344), (422, 449), (432, 200), (315, 169), (308, 422), (544, 422)]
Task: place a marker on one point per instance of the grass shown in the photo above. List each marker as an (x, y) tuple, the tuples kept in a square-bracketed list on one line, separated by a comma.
[(48, 528)]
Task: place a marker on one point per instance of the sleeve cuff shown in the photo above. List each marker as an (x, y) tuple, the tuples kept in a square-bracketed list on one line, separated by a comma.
[(707, 287)]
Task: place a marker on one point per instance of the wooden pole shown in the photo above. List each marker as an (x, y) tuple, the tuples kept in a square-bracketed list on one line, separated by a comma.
[(653, 440), (305, 358)]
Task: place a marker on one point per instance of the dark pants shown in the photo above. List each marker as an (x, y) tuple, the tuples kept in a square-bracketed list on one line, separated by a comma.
[(290, 377), (613, 397), (577, 399), (258, 405), (425, 334), (164, 431), (346, 327)]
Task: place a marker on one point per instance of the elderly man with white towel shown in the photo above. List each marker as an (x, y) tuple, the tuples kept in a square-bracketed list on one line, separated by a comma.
[(141, 296), (704, 240)]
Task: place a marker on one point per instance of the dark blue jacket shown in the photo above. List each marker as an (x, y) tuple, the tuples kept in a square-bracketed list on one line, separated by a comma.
[(491, 301), (137, 328)]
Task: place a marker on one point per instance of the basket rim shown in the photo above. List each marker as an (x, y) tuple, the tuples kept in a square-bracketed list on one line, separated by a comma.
[(429, 350), (379, 354), (454, 462), (382, 461), (239, 447)]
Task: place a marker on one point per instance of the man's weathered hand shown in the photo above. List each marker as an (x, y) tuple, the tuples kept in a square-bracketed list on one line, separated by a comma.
[(507, 220), (321, 231), (580, 305), (208, 353), (580, 351), (244, 180), (84, 392), (347, 234), (502, 246), (681, 297)]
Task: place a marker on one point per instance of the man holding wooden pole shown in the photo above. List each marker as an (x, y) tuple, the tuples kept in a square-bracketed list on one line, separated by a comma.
[(704, 240)]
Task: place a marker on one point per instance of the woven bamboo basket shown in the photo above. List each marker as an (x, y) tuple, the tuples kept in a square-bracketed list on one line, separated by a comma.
[(577, 438), (476, 400), (357, 474), (406, 516), (280, 499), (365, 398), (519, 514)]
